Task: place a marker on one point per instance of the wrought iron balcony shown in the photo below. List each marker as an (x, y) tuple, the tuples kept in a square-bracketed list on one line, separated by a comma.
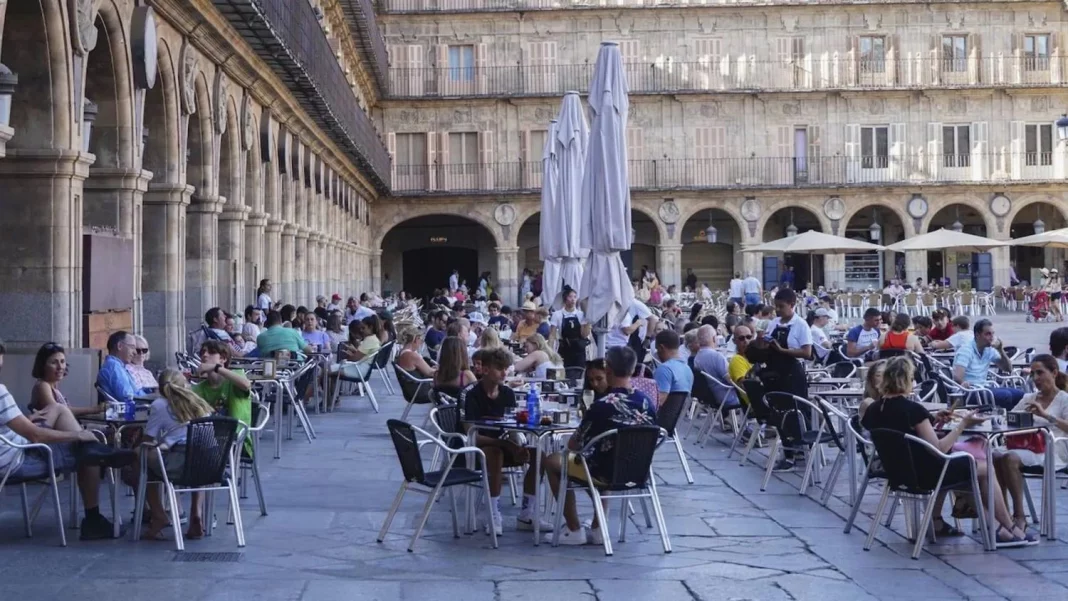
[(363, 24), (287, 35), (747, 173), (462, 6), (736, 74)]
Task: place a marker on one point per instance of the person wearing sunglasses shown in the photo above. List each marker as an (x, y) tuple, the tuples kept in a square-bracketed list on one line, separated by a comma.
[(739, 365), (142, 377)]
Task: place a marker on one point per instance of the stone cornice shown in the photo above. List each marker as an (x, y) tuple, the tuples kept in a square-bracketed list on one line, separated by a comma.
[(211, 34)]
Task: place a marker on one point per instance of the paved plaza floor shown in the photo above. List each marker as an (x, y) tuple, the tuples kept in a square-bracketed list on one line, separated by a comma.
[(327, 500)]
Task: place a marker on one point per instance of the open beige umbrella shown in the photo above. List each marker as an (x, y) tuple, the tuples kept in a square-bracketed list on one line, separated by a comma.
[(813, 242), (944, 239), (1051, 239)]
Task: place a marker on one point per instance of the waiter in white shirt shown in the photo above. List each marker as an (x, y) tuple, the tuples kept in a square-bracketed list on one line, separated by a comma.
[(737, 290), (633, 330), (753, 290)]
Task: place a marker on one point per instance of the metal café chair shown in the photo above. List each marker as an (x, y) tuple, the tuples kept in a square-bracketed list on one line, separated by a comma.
[(382, 359), (793, 433), (667, 417), (249, 463), (416, 391), (430, 483), (29, 516)]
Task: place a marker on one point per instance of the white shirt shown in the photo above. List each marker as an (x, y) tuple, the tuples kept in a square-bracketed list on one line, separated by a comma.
[(454, 282), (752, 285), (263, 302), (800, 334), (360, 313), (616, 337), (706, 293), (818, 338), (960, 339), (737, 288), (557, 320)]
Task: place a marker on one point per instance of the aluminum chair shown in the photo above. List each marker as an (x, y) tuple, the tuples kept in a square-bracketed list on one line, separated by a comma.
[(382, 359), (261, 415), (667, 417), (29, 516), (416, 391), (793, 433), (359, 374)]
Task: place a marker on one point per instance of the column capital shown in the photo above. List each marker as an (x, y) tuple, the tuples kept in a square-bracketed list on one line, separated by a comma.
[(303, 232), (257, 218), (165, 193), (274, 226), (669, 246), (46, 163), (234, 213), (289, 229), (117, 178)]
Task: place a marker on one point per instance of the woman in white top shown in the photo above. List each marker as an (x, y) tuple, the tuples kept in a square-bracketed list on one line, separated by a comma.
[(1050, 407), (177, 406), (539, 357), (263, 298), (1053, 287)]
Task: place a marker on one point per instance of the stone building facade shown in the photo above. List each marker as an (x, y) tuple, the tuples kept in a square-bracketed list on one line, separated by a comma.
[(749, 116), (162, 127)]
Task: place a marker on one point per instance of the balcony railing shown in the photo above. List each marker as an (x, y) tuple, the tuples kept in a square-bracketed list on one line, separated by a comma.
[(443, 6), (287, 35), (752, 172), (742, 74)]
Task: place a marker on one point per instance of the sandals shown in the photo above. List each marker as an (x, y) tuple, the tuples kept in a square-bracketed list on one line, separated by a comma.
[(945, 529), (1020, 521), (1006, 538)]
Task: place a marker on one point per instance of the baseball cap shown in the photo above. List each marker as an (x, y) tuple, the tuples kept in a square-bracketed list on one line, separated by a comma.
[(477, 317), (822, 313), (336, 297)]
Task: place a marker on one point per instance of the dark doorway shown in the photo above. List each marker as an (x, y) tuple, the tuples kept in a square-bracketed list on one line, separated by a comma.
[(426, 269)]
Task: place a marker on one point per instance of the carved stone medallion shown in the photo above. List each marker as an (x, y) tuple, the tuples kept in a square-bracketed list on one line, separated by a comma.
[(247, 132), (504, 214), (219, 94), (751, 209), (669, 211), (83, 33), (189, 62)]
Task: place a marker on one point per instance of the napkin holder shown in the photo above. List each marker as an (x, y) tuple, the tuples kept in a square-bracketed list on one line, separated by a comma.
[(1020, 419)]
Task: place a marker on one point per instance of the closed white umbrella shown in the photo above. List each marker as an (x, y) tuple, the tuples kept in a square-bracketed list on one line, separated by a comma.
[(605, 199), (570, 140), (550, 245)]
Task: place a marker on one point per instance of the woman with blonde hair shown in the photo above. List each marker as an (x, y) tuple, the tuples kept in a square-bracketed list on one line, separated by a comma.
[(410, 358), (489, 340), (167, 419), (539, 357)]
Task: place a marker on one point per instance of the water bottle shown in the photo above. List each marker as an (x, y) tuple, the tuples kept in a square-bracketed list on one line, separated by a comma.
[(130, 410), (533, 407)]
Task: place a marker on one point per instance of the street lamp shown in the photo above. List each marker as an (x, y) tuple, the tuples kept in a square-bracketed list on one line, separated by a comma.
[(8, 81), (876, 230), (1040, 226), (957, 225), (1062, 127), (791, 230), (711, 233), (89, 112)]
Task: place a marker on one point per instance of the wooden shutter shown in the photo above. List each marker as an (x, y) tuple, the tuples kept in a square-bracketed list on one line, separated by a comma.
[(893, 56), (783, 160), (416, 76), (635, 156), (815, 154), (853, 61), (481, 67), (1015, 67), (1055, 67), (441, 71), (1016, 149), (852, 151), (977, 132), (975, 74), (898, 151), (485, 158), (935, 60), (391, 146), (934, 150)]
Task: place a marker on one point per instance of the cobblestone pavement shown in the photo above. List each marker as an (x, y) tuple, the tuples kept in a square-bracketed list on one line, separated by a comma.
[(327, 500)]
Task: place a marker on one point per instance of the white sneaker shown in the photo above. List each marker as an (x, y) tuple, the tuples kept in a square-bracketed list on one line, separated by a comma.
[(495, 520), (594, 535), (526, 524), (569, 537)]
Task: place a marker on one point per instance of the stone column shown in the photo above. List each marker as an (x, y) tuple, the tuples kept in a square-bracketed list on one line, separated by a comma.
[(302, 267), (833, 271), (255, 255), (201, 255), (376, 270), (1000, 259), (41, 234), (508, 273), (113, 198), (231, 278), (272, 254), (322, 266), (289, 231), (669, 261), (916, 265), (164, 276)]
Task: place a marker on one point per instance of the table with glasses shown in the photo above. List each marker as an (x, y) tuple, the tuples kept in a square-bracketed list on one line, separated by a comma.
[(541, 435)]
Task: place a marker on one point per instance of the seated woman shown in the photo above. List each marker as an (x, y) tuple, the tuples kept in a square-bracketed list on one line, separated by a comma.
[(1049, 405), (335, 330), (359, 351), (143, 379), (596, 379), (895, 410), (489, 339), (229, 391), (454, 371), (50, 367), (898, 339), (410, 357), (177, 406), (539, 357)]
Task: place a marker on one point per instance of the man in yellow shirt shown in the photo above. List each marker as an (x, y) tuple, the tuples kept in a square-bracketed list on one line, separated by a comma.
[(739, 366)]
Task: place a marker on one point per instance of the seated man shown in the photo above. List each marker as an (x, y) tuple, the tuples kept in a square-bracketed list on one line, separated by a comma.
[(862, 340), (673, 375), (277, 337), (621, 407), (971, 365), (72, 448), (487, 398), (113, 378), (962, 335)]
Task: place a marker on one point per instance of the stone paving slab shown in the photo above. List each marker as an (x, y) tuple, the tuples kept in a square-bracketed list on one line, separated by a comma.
[(327, 501)]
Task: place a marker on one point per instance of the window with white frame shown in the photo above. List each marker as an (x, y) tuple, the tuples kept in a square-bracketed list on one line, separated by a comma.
[(956, 145), (872, 54), (875, 147), (462, 63), (1036, 52), (954, 53), (1038, 145)]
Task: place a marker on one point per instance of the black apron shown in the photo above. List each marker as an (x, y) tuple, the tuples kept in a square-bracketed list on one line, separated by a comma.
[(572, 344), (788, 373), (636, 343)]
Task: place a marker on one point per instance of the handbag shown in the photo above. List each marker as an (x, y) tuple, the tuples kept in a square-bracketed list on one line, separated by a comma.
[(1032, 441)]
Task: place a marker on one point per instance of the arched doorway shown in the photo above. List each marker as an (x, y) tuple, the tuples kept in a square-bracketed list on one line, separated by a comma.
[(713, 263), (877, 225), (642, 253), (202, 224), (958, 267), (420, 253), (229, 278), (807, 268), (1026, 260)]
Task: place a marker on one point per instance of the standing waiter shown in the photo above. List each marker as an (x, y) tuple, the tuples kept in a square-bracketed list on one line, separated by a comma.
[(789, 341), (570, 328)]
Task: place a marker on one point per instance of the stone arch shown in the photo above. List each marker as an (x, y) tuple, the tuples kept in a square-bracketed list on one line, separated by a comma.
[(855, 206), (971, 202), (1025, 200), (712, 264), (200, 168), (108, 83), (401, 212), (651, 212), (35, 48), (161, 122), (786, 203), (230, 168), (703, 206)]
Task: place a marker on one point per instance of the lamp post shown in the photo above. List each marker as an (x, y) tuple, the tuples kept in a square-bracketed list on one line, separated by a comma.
[(876, 230), (711, 233), (8, 81), (89, 112), (791, 230)]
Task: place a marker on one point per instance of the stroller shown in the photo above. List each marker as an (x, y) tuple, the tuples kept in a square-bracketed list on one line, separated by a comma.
[(1039, 308)]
